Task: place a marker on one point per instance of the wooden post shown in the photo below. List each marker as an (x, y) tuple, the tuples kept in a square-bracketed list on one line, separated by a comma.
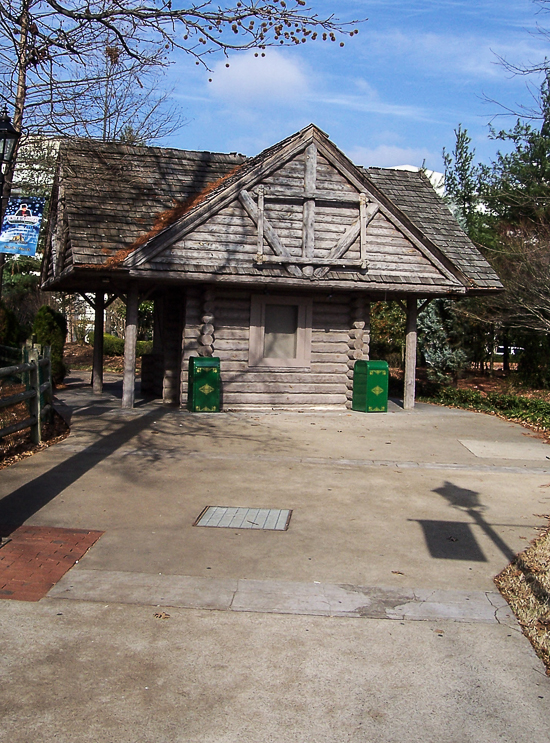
[(410, 355), (261, 208), (97, 368), (310, 180), (35, 407), (129, 379)]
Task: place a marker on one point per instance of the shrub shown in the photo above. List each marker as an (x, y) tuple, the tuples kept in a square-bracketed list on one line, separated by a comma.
[(143, 347), (50, 328), (113, 346), (440, 338), (534, 360), (10, 329), (463, 398)]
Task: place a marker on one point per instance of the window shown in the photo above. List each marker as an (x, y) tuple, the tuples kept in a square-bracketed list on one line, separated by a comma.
[(280, 332)]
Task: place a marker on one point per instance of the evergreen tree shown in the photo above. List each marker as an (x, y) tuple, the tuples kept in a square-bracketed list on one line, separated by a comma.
[(478, 317), (515, 188), (462, 183), (441, 340), (50, 328), (10, 331)]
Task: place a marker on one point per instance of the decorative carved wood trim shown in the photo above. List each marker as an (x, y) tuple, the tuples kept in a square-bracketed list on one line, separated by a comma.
[(207, 328), (309, 195)]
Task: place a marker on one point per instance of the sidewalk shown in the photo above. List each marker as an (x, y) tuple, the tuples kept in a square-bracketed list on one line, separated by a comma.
[(395, 518)]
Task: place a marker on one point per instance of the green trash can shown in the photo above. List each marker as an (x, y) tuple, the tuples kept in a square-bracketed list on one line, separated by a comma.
[(370, 386), (204, 388)]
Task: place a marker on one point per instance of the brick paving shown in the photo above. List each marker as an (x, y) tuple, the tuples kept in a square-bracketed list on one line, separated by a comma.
[(36, 557)]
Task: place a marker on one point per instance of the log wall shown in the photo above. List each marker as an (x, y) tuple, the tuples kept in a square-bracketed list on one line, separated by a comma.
[(324, 384), (359, 340), (171, 333), (194, 301)]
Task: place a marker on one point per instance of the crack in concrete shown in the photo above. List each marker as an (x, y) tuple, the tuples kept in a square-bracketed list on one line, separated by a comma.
[(174, 453), (341, 600)]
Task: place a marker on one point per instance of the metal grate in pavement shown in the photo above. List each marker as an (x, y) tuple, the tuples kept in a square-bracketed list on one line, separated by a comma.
[(271, 519)]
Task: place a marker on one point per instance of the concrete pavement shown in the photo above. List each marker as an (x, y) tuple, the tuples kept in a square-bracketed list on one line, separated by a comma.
[(396, 518)]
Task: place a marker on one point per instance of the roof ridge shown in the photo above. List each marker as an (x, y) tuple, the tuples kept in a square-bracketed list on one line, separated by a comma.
[(84, 144)]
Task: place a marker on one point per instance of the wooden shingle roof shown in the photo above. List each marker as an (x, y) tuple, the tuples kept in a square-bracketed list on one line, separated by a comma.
[(117, 206), (113, 194), (415, 196)]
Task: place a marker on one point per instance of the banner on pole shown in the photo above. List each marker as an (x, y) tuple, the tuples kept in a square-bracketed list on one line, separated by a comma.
[(21, 225)]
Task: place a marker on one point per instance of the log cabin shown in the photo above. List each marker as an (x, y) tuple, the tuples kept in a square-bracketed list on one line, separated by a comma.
[(269, 263)]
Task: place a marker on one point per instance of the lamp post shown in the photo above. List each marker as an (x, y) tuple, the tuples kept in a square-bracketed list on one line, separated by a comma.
[(9, 136)]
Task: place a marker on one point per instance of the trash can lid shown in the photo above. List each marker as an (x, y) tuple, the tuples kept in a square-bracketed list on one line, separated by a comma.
[(372, 364), (205, 362)]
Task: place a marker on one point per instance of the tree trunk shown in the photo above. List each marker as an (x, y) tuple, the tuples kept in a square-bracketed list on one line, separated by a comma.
[(506, 352), (20, 100)]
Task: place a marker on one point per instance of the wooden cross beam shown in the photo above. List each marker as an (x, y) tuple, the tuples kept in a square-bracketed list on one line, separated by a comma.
[(359, 227), (268, 231), (309, 198), (420, 309)]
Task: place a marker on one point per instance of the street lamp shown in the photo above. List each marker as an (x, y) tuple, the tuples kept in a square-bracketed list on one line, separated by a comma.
[(9, 137)]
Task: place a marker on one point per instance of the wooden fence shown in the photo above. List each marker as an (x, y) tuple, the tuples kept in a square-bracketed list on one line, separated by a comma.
[(37, 366)]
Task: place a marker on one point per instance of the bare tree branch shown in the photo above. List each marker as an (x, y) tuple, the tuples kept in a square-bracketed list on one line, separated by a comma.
[(49, 47)]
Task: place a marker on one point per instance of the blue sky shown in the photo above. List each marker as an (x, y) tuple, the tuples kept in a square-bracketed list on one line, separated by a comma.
[(392, 96)]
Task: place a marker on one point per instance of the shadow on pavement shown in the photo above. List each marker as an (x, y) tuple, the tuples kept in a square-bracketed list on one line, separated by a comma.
[(451, 540), (24, 502), (468, 501)]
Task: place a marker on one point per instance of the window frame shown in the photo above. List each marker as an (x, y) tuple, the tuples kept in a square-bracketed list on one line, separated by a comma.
[(257, 332)]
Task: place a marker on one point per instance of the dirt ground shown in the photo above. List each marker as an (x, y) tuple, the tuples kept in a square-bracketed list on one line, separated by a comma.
[(18, 445), (525, 584), (80, 358)]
